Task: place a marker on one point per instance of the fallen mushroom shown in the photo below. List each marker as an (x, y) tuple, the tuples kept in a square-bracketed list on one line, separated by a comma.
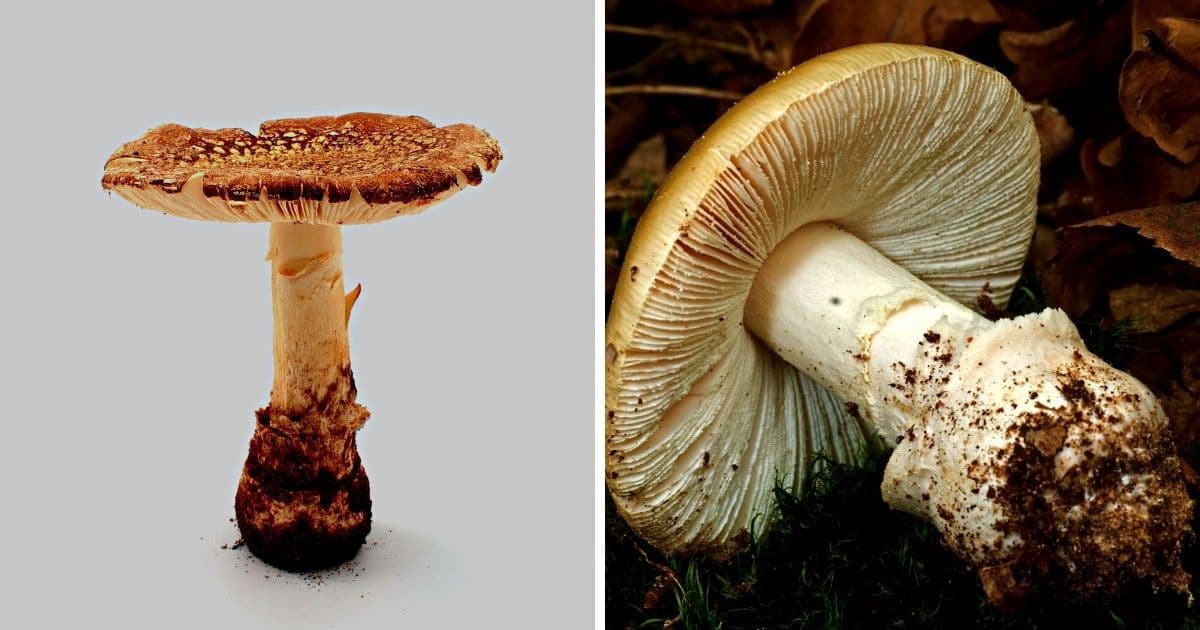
[(303, 501), (797, 286)]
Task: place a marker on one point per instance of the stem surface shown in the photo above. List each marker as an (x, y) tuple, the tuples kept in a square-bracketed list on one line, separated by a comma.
[(312, 350), (303, 501)]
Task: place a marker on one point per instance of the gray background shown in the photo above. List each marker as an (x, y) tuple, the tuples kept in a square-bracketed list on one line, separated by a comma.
[(135, 347)]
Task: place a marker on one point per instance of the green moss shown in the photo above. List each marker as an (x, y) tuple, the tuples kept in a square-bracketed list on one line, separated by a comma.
[(840, 558)]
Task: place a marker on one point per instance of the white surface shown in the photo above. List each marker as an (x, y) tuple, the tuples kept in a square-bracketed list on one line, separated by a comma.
[(136, 346)]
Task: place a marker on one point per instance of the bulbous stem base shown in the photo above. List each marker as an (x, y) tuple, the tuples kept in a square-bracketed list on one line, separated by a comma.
[(304, 501)]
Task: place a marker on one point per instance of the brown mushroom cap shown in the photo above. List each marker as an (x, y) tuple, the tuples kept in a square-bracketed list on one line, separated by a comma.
[(355, 168)]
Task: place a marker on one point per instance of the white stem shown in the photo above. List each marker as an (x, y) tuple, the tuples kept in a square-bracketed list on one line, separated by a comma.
[(312, 354), (842, 313)]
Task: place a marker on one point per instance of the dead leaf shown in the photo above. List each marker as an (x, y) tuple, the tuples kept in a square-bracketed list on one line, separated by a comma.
[(1042, 247), (1109, 154), (624, 119), (1158, 245), (1189, 475), (1174, 228), (1169, 364), (1131, 172), (612, 266), (1054, 132), (1160, 87), (646, 164), (659, 591), (773, 35), (1055, 62), (1008, 594), (1155, 307), (1146, 12), (940, 23), (1073, 204)]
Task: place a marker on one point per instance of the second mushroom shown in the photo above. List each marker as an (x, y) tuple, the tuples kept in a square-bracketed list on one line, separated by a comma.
[(797, 286), (303, 501)]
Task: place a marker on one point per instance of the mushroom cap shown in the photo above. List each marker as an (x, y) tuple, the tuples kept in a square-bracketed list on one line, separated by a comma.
[(926, 155), (355, 168)]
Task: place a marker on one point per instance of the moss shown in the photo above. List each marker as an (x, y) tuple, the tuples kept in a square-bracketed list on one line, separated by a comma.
[(840, 558)]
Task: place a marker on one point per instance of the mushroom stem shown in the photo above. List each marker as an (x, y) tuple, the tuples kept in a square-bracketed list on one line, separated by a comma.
[(312, 351), (303, 501), (823, 283), (1030, 454)]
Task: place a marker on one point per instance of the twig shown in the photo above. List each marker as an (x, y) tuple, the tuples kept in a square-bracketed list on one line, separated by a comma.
[(662, 568), (626, 194), (679, 90), (680, 37)]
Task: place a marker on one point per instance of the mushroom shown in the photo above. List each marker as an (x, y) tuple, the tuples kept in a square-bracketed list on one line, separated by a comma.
[(303, 501), (797, 286)]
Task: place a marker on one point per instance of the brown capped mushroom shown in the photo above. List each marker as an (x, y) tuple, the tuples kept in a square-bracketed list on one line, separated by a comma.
[(303, 501), (797, 286)]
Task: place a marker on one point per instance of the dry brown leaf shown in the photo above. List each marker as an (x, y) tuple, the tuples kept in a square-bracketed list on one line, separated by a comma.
[(1073, 204), (643, 171), (940, 23), (1174, 228), (1154, 307), (648, 160), (624, 119), (1057, 61), (1083, 266), (773, 35), (1003, 589), (1042, 247), (1158, 245), (612, 266), (1145, 12), (1169, 364), (1160, 87), (1131, 172), (1054, 132)]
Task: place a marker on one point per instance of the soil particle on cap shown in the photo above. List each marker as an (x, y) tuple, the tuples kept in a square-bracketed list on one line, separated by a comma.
[(1006, 592), (1102, 540), (932, 337), (1085, 527), (852, 409), (1047, 440), (1076, 391), (988, 308)]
